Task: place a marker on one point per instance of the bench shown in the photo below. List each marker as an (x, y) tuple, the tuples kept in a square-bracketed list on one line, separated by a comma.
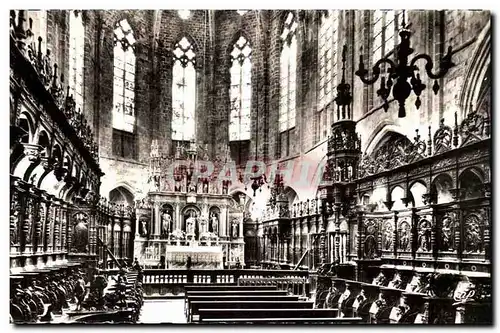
[(227, 288), (189, 289), (233, 293), (236, 298), (309, 321), (196, 305), (266, 313), (243, 292)]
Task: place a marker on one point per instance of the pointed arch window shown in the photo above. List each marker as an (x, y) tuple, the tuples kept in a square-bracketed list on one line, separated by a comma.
[(384, 29), (240, 90), (124, 78), (184, 91), (76, 52), (288, 78), (328, 38), (327, 54)]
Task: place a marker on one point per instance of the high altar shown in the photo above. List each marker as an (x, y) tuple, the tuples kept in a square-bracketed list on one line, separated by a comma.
[(188, 219)]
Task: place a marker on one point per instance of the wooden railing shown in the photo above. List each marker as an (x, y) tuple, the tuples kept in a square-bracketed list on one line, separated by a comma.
[(165, 282), (296, 285)]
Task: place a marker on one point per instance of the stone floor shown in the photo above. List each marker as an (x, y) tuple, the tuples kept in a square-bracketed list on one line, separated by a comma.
[(155, 311)]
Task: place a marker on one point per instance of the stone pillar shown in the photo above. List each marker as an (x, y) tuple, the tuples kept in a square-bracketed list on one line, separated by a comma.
[(177, 216), (156, 221), (278, 247), (49, 231), (240, 230), (92, 227), (27, 226), (57, 226), (137, 224), (337, 246), (45, 231), (223, 220), (266, 249), (15, 218), (117, 238), (65, 228), (344, 254)]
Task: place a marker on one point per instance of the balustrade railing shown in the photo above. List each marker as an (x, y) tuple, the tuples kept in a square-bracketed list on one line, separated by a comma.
[(172, 281), (293, 284)]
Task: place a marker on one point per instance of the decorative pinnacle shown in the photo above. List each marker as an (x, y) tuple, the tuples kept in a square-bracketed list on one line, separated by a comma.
[(343, 62)]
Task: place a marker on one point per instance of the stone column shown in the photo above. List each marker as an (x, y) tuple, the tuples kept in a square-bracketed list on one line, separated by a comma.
[(264, 248), (240, 229), (223, 220), (92, 227), (137, 224), (65, 228), (278, 248), (45, 223), (49, 231), (177, 216), (117, 240), (156, 221), (57, 226), (27, 229), (344, 254), (15, 218)]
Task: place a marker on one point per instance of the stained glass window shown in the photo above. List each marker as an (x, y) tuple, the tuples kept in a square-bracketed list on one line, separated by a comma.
[(124, 78), (76, 52), (183, 91), (288, 67), (240, 90)]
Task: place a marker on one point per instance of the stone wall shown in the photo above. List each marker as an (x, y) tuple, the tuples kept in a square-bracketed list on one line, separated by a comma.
[(214, 33)]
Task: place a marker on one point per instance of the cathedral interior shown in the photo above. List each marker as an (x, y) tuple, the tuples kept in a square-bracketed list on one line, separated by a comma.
[(250, 166)]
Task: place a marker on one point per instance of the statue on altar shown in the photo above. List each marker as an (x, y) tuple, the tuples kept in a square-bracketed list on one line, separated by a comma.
[(144, 228), (234, 228), (166, 222), (215, 223), (190, 224), (203, 225)]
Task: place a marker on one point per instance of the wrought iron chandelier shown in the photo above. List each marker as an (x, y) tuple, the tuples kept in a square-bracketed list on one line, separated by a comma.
[(257, 182), (403, 69)]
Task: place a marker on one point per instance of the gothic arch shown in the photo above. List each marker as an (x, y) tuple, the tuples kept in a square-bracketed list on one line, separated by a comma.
[(380, 134), (318, 172), (196, 46), (476, 73), (124, 185), (440, 189), (236, 36), (291, 195), (417, 189), (125, 15), (121, 194)]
